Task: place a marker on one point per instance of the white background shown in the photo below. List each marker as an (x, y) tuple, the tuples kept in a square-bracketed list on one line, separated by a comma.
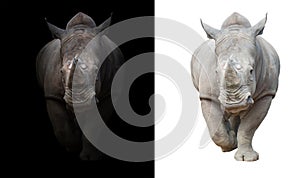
[(277, 139)]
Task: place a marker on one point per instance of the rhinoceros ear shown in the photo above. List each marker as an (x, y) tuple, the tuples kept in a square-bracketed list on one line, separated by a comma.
[(211, 32), (259, 27), (103, 26), (55, 31)]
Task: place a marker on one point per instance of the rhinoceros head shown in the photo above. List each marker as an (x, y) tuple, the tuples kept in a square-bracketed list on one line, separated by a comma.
[(80, 85), (236, 54)]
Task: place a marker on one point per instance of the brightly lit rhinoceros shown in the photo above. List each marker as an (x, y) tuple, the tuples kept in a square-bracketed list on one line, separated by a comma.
[(236, 73), (71, 70)]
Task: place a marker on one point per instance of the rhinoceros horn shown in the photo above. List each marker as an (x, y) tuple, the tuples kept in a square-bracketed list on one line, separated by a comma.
[(232, 80)]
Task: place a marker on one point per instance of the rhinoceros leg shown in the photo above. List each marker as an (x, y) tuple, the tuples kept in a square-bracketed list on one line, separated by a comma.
[(234, 123), (89, 152), (65, 129), (249, 124), (219, 127)]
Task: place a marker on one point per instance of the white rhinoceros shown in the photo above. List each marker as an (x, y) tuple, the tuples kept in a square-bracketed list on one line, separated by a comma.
[(236, 73), (72, 72)]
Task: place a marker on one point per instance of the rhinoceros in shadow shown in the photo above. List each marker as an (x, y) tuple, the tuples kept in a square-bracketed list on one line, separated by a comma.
[(63, 87), (236, 73)]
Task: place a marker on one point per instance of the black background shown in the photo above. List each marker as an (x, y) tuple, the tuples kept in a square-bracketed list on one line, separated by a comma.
[(28, 145)]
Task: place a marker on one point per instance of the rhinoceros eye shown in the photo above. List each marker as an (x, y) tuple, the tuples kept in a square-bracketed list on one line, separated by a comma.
[(251, 74), (82, 64), (238, 66)]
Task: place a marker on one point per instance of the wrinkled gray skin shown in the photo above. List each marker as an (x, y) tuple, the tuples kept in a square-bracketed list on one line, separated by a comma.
[(236, 74), (78, 47)]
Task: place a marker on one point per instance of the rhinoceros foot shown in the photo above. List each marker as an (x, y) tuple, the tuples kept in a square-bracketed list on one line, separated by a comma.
[(244, 154), (91, 155), (232, 142)]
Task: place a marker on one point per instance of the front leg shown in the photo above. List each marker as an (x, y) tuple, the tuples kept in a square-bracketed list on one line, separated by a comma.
[(219, 127), (89, 151), (65, 128), (249, 123)]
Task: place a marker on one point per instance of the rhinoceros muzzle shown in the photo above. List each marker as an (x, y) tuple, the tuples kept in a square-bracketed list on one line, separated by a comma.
[(237, 101), (78, 97), (238, 107)]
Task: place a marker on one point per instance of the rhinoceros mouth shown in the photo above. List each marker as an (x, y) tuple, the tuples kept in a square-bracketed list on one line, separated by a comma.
[(237, 100), (236, 108), (79, 97)]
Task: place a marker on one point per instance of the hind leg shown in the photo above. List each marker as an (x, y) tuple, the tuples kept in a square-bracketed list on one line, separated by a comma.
[(249, 123), (218, 126)]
